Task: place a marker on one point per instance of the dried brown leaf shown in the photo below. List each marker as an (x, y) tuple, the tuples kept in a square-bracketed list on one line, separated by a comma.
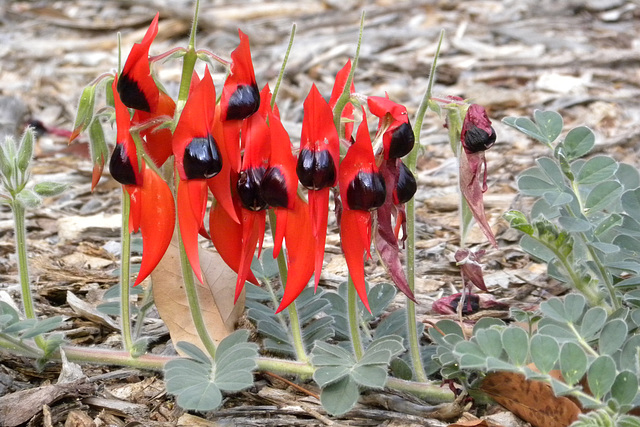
[(215, 297), (533, 401)]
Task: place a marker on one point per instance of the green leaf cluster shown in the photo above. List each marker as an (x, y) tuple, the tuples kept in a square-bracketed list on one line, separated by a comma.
[(340, 375), (198, 382)]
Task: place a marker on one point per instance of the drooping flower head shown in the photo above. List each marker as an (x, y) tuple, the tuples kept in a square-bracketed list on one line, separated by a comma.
[(398, 139)]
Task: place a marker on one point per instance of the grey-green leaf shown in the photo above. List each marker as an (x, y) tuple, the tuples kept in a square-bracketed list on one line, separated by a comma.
[(613, 335), (490, 342), (550, 124), (573, 362), (603, 195), (49, 189), (596, 170), (516, 343), (592, 322), (325, 375), (372, 376), (625, 387), (578, 142), (339, 397), (601, 375), (545, 352)]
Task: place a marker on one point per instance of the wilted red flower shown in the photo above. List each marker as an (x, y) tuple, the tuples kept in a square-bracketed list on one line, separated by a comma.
[(398, 138)]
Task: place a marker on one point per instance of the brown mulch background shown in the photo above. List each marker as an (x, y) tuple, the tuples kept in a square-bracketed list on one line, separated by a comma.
[(512, 56)]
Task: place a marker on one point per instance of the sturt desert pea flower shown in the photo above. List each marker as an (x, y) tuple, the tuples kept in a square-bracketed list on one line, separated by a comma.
[(240, 98), (255, 161), (397, 139), (197, 158), (362, 190), (152, 208), (476, 136), (279, 188), (317, 166), (338, 88), (139, 91)]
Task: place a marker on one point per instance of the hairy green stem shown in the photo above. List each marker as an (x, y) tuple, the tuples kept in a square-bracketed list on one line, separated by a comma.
[(354, 324), (104, 356), (188, 64), (411, 161), (194, 303), (23, 268), (283, 67), (294, 320), (16, 345), (125, 262), (585, 345)]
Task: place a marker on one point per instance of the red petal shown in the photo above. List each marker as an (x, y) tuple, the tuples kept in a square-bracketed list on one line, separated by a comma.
[(138, 88), (123, 135), (300, 255), (354, 225), (226, 235), (252, 225), (472, 173), (220, 185), (157, 221), (319, 211), (192, 201)]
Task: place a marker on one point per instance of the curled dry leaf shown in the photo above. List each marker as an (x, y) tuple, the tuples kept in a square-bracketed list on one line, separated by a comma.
[(216, 297), (533, 401)]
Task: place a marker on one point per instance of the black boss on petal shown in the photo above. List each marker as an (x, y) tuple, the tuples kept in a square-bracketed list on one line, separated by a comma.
[(120, 166), (477, 139), (315, 169), (202, 158), (244, 102), (402, 141), (248, 187), (274, 188), (131, 95), (366, 192), (406, 187)]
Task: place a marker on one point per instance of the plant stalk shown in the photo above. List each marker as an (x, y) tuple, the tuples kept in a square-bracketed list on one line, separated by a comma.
[(354, 328), (411, 161), (294, 320), (194, 304), (23, 268), (125, 271)]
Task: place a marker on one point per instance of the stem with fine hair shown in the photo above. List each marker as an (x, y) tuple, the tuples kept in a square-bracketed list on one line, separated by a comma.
[(294, 320), (21, 251), (411, 161), (354, 324), (125, 261)]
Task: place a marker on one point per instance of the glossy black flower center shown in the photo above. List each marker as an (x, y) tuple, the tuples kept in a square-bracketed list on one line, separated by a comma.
[(406, 186), (366, 192), (244, 102), (316, 169), (402, 141), (120, 166), (274, 188), (248, 187), (202, 158), (131, 95), (476, 139)]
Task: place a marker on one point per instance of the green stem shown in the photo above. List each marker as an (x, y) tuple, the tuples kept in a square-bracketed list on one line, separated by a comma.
[(283, 366), (429, 392), (411, 161), (103, 356), (145, 305), (15, 345), (352, 311), (188, 64), (125, 261), (345, 96), (284, 65), (23, 268), (582, 342), (194, 304), (294, 320)]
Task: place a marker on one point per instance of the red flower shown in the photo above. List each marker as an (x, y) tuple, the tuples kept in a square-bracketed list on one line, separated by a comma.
[(279, 188), (240, 98), (256, 137), (398, 139), (317, 167), (139, 91), (152, 208), (362, 190), (198, 158)]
